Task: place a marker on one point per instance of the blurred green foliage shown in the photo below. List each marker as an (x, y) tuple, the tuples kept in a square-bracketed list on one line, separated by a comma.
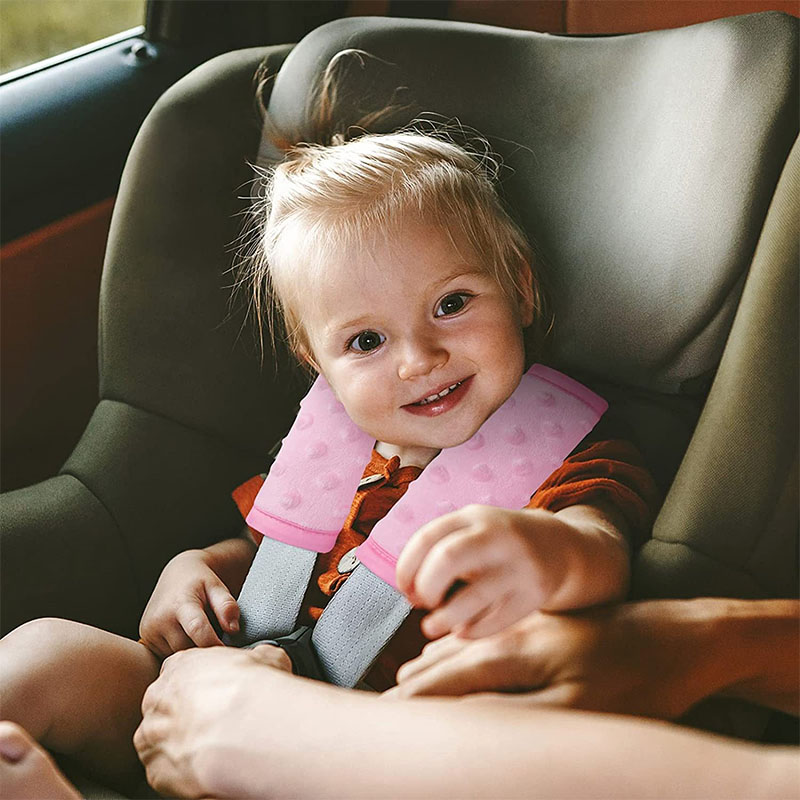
[(31, 30)]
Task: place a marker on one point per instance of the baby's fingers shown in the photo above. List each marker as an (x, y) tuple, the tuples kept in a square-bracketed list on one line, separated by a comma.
[(223, 606), (197, 627), (463, 555), (467, 605), (177, 640), (157, 644), (418, 547)]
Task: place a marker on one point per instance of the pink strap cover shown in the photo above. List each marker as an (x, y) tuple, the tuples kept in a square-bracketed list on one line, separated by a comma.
[(308, 492), (503, 464)]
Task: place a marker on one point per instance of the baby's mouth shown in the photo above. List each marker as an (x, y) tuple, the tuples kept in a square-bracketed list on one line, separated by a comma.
[(433, 397), (446, 399)]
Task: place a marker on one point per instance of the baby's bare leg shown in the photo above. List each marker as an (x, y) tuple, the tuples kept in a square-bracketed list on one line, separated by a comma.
[(77, 690)]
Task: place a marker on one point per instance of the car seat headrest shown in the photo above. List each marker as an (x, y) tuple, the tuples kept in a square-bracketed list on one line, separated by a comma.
[(641, 165)]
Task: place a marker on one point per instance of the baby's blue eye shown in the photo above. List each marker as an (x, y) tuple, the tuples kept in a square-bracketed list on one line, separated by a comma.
[(366, 341), (452, 304)]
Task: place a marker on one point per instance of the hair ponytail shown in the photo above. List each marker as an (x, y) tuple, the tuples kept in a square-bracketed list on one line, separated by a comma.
[(334, 114)]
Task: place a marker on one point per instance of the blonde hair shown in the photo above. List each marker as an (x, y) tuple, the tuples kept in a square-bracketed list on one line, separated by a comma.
[(345, 192)]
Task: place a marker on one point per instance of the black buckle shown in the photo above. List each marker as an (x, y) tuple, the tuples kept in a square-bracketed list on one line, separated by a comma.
[(297, 645)]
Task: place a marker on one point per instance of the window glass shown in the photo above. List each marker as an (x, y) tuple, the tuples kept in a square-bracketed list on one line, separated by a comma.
[(32, 30)]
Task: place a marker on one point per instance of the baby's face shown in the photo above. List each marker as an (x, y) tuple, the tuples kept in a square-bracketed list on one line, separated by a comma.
[(396, 324)]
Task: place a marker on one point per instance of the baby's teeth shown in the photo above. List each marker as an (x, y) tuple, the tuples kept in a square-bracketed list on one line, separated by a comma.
[(444, 392)]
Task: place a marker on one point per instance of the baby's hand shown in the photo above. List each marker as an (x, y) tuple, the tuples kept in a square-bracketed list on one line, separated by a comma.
[(176, 617), (482, 568)]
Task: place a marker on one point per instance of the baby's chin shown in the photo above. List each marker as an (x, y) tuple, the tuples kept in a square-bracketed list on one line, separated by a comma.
[(457, 438), (422, 453), (411, 455)]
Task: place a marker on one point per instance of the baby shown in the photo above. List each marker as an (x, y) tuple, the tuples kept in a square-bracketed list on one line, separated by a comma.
[(400, 278)]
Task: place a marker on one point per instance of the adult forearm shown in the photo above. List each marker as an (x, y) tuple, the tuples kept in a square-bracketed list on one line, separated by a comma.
[(708, 646), (481, 748), (756, 649)]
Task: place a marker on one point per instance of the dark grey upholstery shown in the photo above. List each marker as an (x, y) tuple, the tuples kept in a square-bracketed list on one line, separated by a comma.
[(646, 168), (186, 413)]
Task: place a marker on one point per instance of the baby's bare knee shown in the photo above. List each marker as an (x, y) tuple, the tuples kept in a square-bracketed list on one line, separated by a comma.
[(41, 641), (26, 771), (57, 675), (29, 669), (42, 628), (66, 648)]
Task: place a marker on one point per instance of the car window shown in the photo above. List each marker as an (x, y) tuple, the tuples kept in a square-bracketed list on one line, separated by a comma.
[(34, 31)]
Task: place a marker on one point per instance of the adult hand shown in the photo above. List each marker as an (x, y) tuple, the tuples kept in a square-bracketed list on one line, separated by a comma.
[(639, 658), (177, 615), (192, 711)]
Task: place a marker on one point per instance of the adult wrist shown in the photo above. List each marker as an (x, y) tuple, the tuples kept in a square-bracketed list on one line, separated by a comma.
[(728, 651), (762, 642), (248, 749)]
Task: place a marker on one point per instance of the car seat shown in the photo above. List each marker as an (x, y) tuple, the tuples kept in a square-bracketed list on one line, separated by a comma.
[(658, 174)]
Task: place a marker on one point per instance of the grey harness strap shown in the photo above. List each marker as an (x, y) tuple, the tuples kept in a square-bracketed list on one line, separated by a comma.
[(354, 628), (356, 625), (267, 614)]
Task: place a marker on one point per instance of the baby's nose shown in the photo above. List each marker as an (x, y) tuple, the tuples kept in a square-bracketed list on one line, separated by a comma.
[(420, 357)]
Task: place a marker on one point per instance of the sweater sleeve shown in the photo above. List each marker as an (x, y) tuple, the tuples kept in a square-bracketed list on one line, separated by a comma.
[(611, 471)]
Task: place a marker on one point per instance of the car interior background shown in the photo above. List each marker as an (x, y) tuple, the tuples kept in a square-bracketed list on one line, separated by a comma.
[(659, 174)]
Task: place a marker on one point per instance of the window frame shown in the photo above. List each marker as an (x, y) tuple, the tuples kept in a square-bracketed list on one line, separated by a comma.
[(136, 32), (67, 123)]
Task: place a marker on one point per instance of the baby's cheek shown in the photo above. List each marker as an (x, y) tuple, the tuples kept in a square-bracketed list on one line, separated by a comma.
[(370, 416)]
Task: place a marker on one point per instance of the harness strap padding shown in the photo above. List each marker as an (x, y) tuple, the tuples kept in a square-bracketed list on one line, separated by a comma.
[(307, 494), (356, 625), (273, 591), (513, 453), (300, 510)]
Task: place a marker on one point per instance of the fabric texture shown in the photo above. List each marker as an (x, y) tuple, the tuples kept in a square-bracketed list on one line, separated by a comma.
[(729, 522), (610, 471)]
